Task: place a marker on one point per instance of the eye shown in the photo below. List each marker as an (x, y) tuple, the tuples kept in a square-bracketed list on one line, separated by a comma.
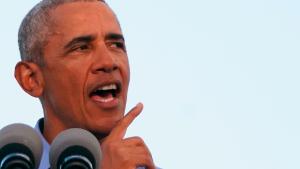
[(81, 47), (118, 45)]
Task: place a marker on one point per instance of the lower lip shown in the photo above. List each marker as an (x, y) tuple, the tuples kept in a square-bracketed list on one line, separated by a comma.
[(106, 103)]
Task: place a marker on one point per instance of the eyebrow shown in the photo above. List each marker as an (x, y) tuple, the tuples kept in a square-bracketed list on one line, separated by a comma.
[(80, 39), (114, 36), (90, 38)]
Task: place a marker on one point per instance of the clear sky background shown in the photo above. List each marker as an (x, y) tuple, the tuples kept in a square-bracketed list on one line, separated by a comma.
[(219, 80)]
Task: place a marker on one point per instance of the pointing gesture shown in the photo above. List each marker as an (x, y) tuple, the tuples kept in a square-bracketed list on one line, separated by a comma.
[(128, 153), (120, 130)]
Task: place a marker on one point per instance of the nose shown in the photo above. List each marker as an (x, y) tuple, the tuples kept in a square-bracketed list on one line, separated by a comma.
[(104, 62)]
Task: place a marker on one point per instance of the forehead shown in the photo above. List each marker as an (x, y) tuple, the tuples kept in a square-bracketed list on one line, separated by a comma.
[(77, 18)]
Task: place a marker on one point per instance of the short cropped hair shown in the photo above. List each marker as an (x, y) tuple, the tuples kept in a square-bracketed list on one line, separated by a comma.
[(35, 27)]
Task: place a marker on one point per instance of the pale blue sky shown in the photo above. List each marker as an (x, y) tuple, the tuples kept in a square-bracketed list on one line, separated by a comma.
[(219, 80)]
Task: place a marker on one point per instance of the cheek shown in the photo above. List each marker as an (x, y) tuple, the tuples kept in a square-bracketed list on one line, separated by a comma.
[(125, 69), (65, 95), (126, 78), (64, 82)]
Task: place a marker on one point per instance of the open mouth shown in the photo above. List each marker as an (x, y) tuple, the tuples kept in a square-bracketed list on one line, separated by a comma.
[(106, 93)]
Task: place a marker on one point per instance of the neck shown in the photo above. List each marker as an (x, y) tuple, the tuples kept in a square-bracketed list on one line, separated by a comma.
[(52, 128)]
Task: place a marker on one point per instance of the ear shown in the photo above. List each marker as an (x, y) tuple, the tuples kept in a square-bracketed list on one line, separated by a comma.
[(30, 78)]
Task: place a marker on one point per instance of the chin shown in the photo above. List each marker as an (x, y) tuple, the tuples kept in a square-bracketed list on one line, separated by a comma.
[(101, 129), (101, 134)]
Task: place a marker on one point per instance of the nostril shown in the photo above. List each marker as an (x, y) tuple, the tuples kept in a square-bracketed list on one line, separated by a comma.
[(108, 69)]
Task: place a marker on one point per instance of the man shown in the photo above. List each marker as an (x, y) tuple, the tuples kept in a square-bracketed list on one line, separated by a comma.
[(74, 60)]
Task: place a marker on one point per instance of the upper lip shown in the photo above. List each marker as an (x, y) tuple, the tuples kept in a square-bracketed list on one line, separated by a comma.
[(105, 83)]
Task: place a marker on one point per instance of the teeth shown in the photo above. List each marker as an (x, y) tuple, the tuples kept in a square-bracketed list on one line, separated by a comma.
[(109, 87), (107, 100)]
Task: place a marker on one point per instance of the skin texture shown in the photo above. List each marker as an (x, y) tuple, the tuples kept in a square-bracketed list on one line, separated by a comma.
[(85, 50)]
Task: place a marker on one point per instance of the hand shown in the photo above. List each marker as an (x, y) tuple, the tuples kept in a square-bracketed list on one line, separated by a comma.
[(128, 153)]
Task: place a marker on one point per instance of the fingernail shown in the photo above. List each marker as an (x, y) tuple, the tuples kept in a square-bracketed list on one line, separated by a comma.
[(139, 104)]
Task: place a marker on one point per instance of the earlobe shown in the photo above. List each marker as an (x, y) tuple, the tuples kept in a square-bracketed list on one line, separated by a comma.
[(30, 78)]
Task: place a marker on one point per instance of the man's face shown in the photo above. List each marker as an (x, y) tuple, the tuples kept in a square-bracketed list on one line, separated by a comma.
[(86, 72)]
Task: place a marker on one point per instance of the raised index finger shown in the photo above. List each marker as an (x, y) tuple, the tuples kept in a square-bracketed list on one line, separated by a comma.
[(119, 131)]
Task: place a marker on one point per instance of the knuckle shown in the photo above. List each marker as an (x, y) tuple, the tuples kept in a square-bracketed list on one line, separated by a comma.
[(148, 154), (123, 124), (138, 139)]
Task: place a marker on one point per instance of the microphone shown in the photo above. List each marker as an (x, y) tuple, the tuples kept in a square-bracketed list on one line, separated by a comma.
[(20, 147), (75, 148)]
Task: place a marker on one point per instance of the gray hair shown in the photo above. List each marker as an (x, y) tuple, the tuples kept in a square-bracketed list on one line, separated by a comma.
[(35, 27)]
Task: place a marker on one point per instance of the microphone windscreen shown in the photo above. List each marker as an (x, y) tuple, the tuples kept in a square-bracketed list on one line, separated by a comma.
[(75, 141), (18, 137)]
